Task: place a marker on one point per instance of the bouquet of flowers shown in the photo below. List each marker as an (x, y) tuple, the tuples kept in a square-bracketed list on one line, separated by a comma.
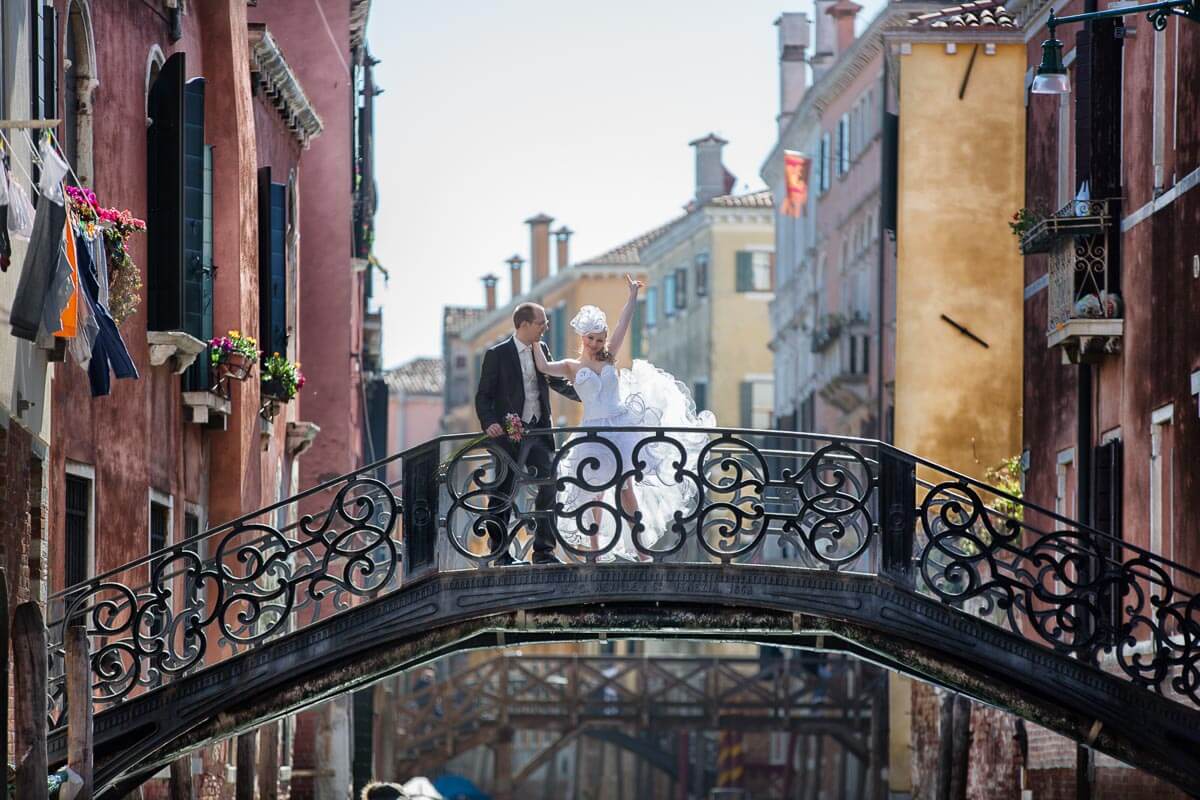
[(224, 348), (281, 379), (514, 429), (125, 280)]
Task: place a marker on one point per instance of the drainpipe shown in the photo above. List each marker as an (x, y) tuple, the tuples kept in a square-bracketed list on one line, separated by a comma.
[(881, 416)]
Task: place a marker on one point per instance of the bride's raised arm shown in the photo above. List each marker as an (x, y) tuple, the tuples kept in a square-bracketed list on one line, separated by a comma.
[(618, 334), (564, 368)]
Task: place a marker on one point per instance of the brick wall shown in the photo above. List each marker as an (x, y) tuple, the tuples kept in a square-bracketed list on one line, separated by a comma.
[(1051, 773), (995, 761)]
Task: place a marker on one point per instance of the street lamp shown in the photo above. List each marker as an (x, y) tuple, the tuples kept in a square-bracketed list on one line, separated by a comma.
[(1052, 75)]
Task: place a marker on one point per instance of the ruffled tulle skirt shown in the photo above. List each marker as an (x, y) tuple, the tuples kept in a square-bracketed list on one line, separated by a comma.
[(595, 465)]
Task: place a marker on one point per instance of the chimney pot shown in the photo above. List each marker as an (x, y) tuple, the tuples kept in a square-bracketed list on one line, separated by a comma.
[(489, 291), (539, 248), (793, 63), (712, 179), (562, 238), (844, 13), (514, 269)]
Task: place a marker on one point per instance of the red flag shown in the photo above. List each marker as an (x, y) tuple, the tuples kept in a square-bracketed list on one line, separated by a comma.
[(795, 170)]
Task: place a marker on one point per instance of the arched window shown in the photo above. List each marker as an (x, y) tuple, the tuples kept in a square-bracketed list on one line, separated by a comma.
[(79, 86)]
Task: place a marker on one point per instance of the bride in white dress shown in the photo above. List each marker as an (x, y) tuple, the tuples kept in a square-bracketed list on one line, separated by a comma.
[(642, 396)]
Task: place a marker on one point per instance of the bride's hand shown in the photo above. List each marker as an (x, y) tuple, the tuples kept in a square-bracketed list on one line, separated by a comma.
[(634, 285)]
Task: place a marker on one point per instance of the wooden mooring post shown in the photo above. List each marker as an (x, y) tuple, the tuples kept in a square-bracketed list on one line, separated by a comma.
[(79, 708), (29, 664)]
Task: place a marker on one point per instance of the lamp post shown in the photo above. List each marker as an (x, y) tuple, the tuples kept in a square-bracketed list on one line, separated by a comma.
[(1052, 75)]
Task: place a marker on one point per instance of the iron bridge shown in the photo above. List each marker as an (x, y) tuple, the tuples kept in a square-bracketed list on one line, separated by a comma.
[(790, 539)]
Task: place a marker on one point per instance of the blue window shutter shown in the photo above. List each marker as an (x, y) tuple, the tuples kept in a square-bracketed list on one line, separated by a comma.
[(745, 271), (651, 306), (272, 265), (635, 333), (681, 288), (745, 403), (559, 333)]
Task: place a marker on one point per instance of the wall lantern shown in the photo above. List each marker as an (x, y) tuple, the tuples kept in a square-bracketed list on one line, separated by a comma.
[(1052, 75)]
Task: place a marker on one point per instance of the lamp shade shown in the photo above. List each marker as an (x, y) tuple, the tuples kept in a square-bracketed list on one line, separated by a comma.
[(1051, 74)]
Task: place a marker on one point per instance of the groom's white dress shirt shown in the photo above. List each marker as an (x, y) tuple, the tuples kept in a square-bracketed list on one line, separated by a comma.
[(529, 378)]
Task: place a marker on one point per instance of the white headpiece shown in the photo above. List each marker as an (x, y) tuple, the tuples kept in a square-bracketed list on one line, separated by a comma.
[(589, 320)]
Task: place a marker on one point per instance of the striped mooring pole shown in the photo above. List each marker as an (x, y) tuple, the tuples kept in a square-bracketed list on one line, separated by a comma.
[(730, 761)]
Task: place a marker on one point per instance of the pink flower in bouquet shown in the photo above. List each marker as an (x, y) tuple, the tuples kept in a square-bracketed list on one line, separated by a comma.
[(514, 426)]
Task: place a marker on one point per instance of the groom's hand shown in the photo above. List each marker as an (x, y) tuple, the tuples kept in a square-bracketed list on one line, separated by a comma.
[(494, 430)]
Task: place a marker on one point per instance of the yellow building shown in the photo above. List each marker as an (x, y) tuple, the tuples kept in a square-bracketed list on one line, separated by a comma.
[(599, 281), (711, 278), (961, 175)]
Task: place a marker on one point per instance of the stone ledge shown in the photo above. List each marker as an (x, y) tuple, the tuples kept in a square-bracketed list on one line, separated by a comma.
[(207, 408), (176, 347)]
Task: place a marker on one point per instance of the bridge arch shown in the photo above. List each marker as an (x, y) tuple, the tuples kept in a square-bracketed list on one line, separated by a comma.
[(833, 544)]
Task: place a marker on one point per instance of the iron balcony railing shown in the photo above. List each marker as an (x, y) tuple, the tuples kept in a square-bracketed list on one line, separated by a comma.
[(792, 500)]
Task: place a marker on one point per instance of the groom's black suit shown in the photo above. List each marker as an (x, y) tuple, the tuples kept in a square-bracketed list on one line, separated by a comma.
[(502, 392)]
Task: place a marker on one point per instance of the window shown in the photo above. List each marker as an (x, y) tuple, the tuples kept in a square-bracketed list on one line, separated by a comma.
[(669, 288), (78, 519), (702, 275), (806, 420), (700, 395), (755, 271), (859, 355), (826, 157), (636, 340), (272, 265), (757, 403), (460, 362), (160, 522), (651, 306), (179, 283), (43, 60), (681, 288), (1162, 484), (843, 145)]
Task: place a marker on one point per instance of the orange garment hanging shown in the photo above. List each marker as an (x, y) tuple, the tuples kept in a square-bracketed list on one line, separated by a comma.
[(69, 319)]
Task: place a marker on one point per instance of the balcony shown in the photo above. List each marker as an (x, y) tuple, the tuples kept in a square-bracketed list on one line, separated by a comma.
[(845, 364), (831, 326), (1084, 312)]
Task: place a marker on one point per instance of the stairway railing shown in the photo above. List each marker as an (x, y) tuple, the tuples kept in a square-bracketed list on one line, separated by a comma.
[(781, 498)]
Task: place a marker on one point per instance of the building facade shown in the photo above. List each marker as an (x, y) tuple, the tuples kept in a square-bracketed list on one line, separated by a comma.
[(1112, 350), (710, 277), (212, 122)]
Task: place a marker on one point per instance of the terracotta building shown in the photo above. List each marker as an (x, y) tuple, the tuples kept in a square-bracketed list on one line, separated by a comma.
[(225, 126)]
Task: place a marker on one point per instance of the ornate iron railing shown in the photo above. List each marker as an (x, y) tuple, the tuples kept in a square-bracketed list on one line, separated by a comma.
[(793, 500)]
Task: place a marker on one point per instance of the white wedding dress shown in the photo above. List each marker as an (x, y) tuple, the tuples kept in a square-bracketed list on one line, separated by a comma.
[(646, 397)]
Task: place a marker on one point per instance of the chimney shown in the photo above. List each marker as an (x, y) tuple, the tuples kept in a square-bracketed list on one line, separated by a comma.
[(712, 179), (539, 248), (825, 43), (514, 269), (489, 291), (562, 237), (793, 67), (843, 13)]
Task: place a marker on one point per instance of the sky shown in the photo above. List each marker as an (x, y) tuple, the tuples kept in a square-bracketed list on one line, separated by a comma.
[(496, 110)]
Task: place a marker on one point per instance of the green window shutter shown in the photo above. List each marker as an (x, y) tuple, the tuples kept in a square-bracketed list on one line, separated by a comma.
[(745, 402), (635, 340), (164, 218), (745, 271), (559, 333), (197, 274), (272, 265)]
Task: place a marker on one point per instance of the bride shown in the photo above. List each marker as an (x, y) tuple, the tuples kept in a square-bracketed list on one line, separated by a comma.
[(642, 396)]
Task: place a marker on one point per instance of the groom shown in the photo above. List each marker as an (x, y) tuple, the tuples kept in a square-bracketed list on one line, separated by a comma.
[(510, 384)]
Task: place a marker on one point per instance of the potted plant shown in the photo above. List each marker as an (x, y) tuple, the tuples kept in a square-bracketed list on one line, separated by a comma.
[(233, 355), (1024, 219), (281, 379)]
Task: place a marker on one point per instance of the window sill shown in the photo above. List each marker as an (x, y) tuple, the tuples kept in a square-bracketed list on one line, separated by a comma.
[(300, 436), (177, 348), (207, 408)]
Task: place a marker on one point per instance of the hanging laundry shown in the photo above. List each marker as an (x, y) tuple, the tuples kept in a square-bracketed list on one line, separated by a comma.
[(80, 346), (39, 270), (20, 210), (109, 348), (68, 318), (54, 171)]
